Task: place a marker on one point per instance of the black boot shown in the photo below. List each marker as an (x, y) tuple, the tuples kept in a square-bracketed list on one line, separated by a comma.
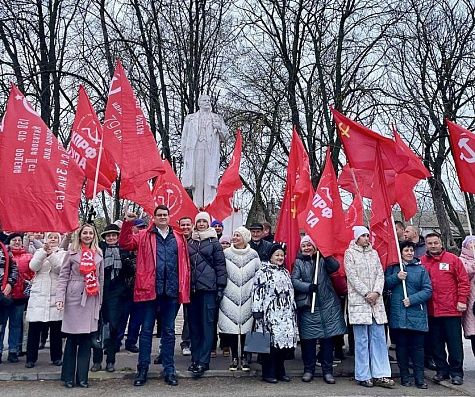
[(141, 376)]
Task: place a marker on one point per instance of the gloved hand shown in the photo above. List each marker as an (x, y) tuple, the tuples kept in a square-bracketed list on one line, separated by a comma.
[(312, 288), (257, 315), (219, 296)]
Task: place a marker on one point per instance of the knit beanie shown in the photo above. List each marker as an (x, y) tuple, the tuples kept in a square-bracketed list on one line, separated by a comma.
[(245, 233), (216, 223), (225, 239), (359, 231), (467, 240), (307, 239), (275, 247), (204, 216)]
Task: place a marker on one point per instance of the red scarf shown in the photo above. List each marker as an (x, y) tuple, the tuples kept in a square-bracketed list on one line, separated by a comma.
[(87, 268)]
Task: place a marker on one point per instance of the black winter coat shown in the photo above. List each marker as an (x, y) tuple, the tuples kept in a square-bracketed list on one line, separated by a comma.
[(262, 248), (327, 319), (208, 265)]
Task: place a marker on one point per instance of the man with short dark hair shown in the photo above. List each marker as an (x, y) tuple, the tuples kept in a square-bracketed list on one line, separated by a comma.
[(162, 283), (267, 235), (399, 230), (450, 291), (259, 245), (411, 233)]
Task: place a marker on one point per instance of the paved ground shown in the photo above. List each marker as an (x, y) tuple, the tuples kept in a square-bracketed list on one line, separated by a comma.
[(215, 387)]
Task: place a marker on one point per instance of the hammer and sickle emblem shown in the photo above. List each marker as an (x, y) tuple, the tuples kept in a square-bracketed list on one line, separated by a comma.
[(344, 131), (88, 256), (470, 157)]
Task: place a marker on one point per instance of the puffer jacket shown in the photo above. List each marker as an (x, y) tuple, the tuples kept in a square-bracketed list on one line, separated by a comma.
[(327, 319), (449, 284), (42, 302), (364, 274), (25, 275), (208, 265), (235, 315), (419, 291), (468, 320)]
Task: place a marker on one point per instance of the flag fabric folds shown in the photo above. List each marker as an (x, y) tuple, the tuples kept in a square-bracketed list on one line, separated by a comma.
[(462, 142), (40, 182), (85, 145), (169, 191), (221, 207), (324, 216), (298, 191), (127, 135)]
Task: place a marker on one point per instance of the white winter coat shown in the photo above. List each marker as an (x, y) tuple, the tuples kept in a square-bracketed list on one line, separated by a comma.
[(236, 306), (42, 302)]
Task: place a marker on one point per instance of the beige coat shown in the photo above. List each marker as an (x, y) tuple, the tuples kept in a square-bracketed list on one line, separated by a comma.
[(364, 274), (42, 302), (81, 312)]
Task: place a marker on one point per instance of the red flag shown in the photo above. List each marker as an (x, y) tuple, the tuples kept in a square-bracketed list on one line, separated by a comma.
[(140, 194), (298, 191), (384, 239), (462, 142), (127, 135), (401, 183), (169, 191), (40, 183), (85, 143), (221, 206), (324, 217), (415, 166), (361, 145)]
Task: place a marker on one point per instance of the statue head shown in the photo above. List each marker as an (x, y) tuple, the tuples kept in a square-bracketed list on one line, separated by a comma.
[(204, 102)]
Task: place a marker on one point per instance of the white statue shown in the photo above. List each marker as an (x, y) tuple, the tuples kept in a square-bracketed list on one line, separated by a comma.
[(202, 134)]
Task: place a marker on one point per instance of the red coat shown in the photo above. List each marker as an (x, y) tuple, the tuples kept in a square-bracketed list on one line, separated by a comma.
[(449, 284), (22, 259), (146, 246)]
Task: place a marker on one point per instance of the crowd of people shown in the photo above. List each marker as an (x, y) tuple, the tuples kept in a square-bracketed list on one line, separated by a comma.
[(90, 289)]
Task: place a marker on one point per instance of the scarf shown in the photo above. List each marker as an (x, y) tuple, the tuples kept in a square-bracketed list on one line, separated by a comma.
[(112, 259), (208, 233), (87, 268)]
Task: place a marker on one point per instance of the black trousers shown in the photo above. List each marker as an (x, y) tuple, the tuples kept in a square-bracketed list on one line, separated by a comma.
[(77, 354), (447, 331), (55, 341), (185, 333), (410, 344), (232, 340), (201, 315), (273, 363), (309, 350)]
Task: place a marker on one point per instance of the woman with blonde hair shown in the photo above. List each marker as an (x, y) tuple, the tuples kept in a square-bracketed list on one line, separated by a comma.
[(79, 295)]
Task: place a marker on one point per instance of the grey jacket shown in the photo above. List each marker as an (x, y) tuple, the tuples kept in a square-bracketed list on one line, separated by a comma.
[(327, 319)]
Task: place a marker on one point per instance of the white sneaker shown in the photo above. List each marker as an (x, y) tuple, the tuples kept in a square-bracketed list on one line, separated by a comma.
[(186, 351)]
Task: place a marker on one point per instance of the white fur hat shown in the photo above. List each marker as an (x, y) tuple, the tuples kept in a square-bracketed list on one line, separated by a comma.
[(204, 216)]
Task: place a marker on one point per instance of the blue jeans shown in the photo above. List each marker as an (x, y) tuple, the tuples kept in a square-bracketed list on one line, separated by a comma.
[(371, 352), (13, 313), (168, 309)]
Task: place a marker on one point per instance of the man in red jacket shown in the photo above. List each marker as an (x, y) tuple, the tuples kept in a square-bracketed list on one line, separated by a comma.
[(162, 283), (450, 290)]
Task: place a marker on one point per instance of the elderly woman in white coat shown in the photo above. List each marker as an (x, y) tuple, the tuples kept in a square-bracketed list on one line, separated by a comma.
[(79, 295), (366, 311), (41, 309), (235, 310)]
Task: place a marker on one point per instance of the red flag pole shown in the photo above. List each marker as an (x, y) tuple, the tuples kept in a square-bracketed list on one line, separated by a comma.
[(398, 254), (315, 280)]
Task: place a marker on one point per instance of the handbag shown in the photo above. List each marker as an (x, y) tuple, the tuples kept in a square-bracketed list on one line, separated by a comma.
[(101, 335), (5, 300), (257, 341)]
